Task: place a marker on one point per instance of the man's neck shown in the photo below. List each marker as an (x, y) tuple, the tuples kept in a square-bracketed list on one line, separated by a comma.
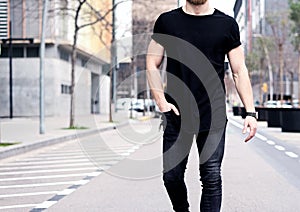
[(199, 10)]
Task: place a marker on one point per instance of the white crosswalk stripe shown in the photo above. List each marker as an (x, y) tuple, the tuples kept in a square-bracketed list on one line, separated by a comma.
[(54, 173)]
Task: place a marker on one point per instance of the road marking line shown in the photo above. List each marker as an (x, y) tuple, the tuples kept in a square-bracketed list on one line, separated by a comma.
[(44, 162), (28, 194), (236, 124), (94, 174), (291, 154), (280, 148), (47, 171), (80, 182), (83, 152), (66, 191), (270, 142), (17, 206), (44, 177), (110, 157), (261, 137), (49, 166), (46, 204)]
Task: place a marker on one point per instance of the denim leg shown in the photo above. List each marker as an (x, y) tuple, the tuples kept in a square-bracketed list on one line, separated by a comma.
[(176, 147), (210, 171)]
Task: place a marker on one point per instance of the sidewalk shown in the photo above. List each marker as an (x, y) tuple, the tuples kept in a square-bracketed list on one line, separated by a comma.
[(25, 131)]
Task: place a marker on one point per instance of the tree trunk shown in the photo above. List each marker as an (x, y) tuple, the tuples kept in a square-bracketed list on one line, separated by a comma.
[(261, 93), (110, 95), (72, 93), (270, 70), (281, 70)]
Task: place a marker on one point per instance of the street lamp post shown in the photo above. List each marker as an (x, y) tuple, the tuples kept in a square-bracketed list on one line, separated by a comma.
[(42, 57), (10, 55)]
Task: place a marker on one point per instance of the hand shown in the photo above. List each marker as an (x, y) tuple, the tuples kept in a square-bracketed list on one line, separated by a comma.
[(252, 124), (168, 107)]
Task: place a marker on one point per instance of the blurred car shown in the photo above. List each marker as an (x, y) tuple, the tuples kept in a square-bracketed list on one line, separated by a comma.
[(295, 103), (287, 104), (272, 104), (141, 105)]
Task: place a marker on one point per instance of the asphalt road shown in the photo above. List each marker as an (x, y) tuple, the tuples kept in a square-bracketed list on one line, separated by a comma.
[(120, 170)]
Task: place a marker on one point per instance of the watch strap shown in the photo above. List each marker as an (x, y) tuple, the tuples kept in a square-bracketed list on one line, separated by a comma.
[(253, 114)]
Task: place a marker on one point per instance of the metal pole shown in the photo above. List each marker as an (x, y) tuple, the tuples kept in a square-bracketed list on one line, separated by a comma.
[(114, 55), (10, 73), (115, 80), (42, 57)]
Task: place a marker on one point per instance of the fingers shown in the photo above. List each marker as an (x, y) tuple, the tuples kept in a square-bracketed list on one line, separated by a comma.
[(251, 134), (252, 124), (174, 109)]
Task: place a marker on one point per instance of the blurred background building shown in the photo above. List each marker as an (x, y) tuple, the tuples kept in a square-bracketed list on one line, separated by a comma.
[(266, 23), (21, 19)]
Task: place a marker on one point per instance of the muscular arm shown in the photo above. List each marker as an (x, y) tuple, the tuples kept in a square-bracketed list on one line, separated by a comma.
[(243, 86), (154, 59)]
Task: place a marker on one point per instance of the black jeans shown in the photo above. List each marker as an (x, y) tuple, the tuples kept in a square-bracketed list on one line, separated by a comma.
[(176, 148)]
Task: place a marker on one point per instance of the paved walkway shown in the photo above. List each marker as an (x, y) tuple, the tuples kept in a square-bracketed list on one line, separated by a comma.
[(25, 131)]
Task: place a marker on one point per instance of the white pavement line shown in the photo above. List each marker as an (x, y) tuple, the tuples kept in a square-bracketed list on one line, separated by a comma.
[(291, 154), (270, 142), (44, 177), (28, 194), (66, 191), (46, 204), (17, 206), (82, 152), (94, 174), (49, 166), (48, 170), (280, 148), (80, 182), (106, 157), (36, 158), (236, 124), (44, 162), (261, 137)]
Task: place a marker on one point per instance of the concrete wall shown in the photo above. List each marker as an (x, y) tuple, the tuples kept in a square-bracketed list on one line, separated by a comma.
[(57, 72)]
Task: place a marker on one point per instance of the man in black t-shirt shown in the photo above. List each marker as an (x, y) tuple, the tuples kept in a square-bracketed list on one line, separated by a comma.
[(196, 38)]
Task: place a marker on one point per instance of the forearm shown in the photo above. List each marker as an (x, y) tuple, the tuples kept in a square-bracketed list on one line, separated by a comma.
[(244, 88), (156, 85)]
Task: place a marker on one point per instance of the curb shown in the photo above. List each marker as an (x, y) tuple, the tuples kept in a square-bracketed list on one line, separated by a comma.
[(23, 148)]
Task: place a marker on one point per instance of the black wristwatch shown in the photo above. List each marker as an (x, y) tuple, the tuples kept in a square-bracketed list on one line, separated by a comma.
[(253, 114)]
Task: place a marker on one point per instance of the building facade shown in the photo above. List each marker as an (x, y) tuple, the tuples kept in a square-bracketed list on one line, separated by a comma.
[(269, 20), (21, 20)]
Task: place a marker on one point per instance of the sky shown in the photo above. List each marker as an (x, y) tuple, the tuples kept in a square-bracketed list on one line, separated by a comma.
[(224, 5)]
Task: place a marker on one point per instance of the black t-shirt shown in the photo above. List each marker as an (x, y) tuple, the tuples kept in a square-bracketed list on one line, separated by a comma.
[(214, 35)]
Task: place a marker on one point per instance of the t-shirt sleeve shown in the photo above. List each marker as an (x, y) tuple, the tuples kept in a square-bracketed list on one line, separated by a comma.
[(158, 30), (233, 37)]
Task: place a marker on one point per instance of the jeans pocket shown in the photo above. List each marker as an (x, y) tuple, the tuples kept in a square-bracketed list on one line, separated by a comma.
[(170, 119), (165, 118)]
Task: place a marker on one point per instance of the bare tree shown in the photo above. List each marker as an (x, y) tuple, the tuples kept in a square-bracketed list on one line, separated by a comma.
[(279, 24), (85, 15), (295, 17)]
